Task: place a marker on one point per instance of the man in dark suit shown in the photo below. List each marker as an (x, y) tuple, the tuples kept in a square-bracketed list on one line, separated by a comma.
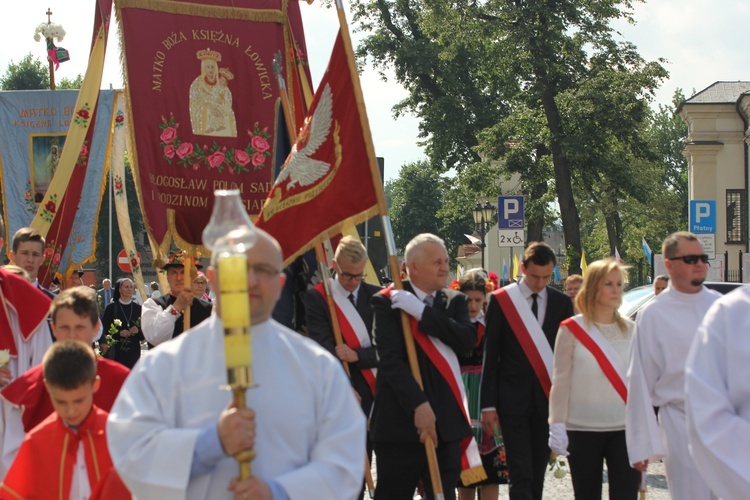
[(162, 318), (105, 295), (404, 414), (522, 323), (352, 297)]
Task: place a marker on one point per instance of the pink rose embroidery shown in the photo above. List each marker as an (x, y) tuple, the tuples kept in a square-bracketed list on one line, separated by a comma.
[(56, 259), (260, 144), (216, 159), (84, 150), (48, 252), (241, 157), (258, 159), (168, 135), (169, 151), (185, 149)]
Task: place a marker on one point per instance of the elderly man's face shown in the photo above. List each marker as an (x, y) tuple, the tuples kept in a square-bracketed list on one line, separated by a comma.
[(429, 268), (176, 279)]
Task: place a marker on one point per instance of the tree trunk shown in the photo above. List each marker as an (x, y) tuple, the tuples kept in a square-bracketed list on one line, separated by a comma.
[(535, 223), (563, 183)]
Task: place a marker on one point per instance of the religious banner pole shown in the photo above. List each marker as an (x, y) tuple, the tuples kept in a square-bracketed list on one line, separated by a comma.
[(229, 234), (411, 352)]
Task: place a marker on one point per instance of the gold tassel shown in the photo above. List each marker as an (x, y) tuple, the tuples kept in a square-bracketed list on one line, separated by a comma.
[(473, 475)]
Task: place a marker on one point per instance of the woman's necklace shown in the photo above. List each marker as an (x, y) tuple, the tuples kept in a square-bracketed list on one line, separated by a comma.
[(130, 312)]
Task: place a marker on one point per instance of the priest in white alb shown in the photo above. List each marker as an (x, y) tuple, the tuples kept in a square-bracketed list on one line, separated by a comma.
[(172, 432), (665, 329)]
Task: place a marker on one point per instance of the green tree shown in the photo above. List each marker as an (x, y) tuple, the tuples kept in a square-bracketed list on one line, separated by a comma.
[(67, 83), (29, 74), (416, 197), (469, 65)]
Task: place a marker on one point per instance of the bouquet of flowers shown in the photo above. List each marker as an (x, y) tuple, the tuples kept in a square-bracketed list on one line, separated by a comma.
[(558, 464), (49, 30), (115, 329)]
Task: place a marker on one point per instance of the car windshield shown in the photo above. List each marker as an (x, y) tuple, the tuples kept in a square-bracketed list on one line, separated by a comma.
[(634, 299)]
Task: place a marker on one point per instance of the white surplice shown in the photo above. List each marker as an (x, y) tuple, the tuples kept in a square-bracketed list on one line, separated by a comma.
[(310, 430), (664, 332), (717, 397)]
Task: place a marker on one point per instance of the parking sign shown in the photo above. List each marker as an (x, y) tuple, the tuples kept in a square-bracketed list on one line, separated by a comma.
[(702, 216), (510, 212)]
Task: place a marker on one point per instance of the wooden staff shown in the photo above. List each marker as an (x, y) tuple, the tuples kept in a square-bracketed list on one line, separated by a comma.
[(187, 282)]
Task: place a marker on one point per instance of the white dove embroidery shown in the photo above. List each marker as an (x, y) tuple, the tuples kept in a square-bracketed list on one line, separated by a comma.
[(300, 168)]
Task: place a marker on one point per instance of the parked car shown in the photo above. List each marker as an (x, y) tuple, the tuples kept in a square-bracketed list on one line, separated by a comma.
[(634, 299)]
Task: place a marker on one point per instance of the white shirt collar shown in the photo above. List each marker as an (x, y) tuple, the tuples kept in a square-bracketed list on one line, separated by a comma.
[(346, 292), (420, 294), (526, 291)]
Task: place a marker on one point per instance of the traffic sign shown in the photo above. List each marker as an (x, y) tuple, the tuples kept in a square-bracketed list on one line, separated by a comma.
[(126, 263), (510, 237), (709, 244), (510, 213), (702, 216)]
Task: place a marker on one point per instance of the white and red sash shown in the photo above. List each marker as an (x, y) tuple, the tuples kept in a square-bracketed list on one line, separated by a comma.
[(602, 350), (353, 329), (530, 335), (446, 362)]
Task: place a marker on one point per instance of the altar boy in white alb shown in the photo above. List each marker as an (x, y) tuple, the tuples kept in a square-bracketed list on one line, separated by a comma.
[(665, 329), (717, 396), (172, 432)]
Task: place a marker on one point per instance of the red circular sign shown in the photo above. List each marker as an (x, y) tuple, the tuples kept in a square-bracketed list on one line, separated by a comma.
[(125, 263)]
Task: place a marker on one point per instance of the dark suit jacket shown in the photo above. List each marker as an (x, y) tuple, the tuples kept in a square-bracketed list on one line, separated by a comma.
[(200, 310), (319, 329), (397, 393), (508, 381)]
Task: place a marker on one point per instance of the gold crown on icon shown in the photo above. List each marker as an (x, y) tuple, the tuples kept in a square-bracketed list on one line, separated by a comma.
[(208, 54)]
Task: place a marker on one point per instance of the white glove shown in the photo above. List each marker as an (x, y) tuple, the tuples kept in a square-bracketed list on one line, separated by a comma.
[(407, 302), (558, 439)]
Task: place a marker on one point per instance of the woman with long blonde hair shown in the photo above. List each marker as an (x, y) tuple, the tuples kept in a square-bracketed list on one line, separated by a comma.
[(587, 400)]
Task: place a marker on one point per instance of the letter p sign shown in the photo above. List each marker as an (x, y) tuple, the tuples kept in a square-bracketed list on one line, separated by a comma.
[(703, 216), (510, 212)]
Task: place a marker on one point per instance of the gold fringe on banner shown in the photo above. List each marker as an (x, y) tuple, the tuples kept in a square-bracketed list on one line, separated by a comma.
[(212, 11)]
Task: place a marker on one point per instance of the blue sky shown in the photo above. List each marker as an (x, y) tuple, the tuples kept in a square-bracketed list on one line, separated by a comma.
[(703, 41)]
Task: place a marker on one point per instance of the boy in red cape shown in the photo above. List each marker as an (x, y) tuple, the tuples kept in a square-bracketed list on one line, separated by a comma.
[(69, 448), (25, 402)]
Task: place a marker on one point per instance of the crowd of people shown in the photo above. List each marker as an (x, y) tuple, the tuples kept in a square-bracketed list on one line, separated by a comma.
[(453, 389)]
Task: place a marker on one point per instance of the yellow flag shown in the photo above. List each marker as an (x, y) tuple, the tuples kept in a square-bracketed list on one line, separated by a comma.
[(584, 266), (516, 268)]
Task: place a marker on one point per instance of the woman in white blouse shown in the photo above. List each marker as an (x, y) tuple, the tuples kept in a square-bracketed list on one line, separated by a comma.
[(587, 400)]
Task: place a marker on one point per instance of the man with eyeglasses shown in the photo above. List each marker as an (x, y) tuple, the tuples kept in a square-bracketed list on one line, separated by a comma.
[(351, 295), (665, 330), (173, 432), (162, 317)]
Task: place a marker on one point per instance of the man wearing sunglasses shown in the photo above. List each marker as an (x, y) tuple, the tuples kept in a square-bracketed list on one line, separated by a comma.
[(665, 331)]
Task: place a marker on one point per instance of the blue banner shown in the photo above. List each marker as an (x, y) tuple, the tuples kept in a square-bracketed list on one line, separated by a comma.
[(33, 128)]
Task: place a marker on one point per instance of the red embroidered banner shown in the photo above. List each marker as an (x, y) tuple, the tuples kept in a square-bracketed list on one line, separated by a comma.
[(328, 181), (203, 104)]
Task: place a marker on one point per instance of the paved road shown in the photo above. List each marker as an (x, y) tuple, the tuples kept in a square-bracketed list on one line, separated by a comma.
[(562, 489)]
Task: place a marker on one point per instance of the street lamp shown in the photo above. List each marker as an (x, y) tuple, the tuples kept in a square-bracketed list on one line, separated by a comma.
[(484, 216)]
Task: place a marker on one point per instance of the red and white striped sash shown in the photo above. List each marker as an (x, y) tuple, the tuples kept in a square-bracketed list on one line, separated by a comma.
[(446, 362), (353, 329), (528, 332), (604, 353)]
